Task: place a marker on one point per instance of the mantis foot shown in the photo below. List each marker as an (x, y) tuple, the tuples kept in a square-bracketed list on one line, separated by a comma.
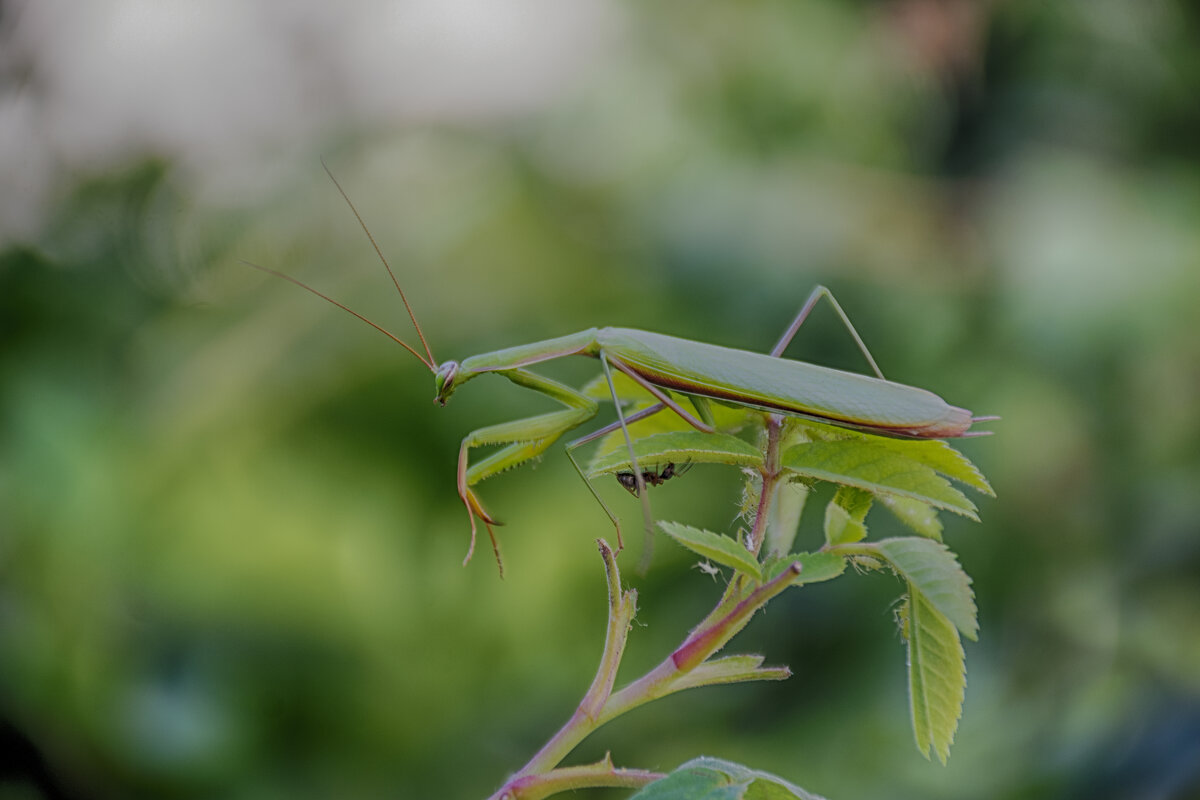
[(475, 509)]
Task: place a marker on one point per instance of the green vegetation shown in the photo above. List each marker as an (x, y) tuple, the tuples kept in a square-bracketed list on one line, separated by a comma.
[(938, 598), (230, 541)]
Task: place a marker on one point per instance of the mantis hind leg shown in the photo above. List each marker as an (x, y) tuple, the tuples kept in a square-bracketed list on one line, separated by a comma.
[(524, 439), (806, 309)]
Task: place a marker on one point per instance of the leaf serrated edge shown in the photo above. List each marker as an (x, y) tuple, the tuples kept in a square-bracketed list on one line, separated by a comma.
[(700, 448), (955, 502), (936, 706), (714, 546), (971, 476), (951, 579)]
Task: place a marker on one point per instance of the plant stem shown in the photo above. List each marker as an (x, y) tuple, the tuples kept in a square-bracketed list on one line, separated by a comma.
[(540, 778), (622, 605), (700, 644), (769, 472), (600, 705), (602, 773)]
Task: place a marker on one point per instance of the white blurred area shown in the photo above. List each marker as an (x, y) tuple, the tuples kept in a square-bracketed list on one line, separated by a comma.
[(234, 92)]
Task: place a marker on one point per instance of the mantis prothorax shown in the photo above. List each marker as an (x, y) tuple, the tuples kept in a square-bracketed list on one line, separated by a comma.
[(663, 365)]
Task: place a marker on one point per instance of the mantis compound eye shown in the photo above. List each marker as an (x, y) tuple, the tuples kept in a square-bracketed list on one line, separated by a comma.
[(444, 381)]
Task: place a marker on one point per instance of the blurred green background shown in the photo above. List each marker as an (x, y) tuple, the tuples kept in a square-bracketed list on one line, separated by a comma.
[(230, 543)]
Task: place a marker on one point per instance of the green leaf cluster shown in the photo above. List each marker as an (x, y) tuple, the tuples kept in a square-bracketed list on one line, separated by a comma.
[(912, 479)]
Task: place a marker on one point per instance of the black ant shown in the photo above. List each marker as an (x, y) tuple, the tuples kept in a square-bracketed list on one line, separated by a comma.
[(652, 477)]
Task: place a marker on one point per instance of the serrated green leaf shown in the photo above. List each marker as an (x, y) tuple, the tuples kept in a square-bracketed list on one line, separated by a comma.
[(933, 568), (714, 547), (919, 517), (877, 468), (730, 669), (710, 778), (937, 677), (939, 455), (933, 453), (814, 567), (679, 447)]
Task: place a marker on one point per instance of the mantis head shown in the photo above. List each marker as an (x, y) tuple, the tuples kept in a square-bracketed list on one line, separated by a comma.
[(443, 381)]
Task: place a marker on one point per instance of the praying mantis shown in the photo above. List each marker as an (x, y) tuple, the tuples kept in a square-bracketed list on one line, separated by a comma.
[(663, 366)]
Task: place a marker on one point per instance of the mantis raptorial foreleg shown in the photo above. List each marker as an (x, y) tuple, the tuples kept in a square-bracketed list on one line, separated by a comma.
[(528, 438), (525, 439)]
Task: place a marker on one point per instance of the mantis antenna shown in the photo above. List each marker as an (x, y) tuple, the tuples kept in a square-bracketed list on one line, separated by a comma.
[(430, 362), (427, 359)]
